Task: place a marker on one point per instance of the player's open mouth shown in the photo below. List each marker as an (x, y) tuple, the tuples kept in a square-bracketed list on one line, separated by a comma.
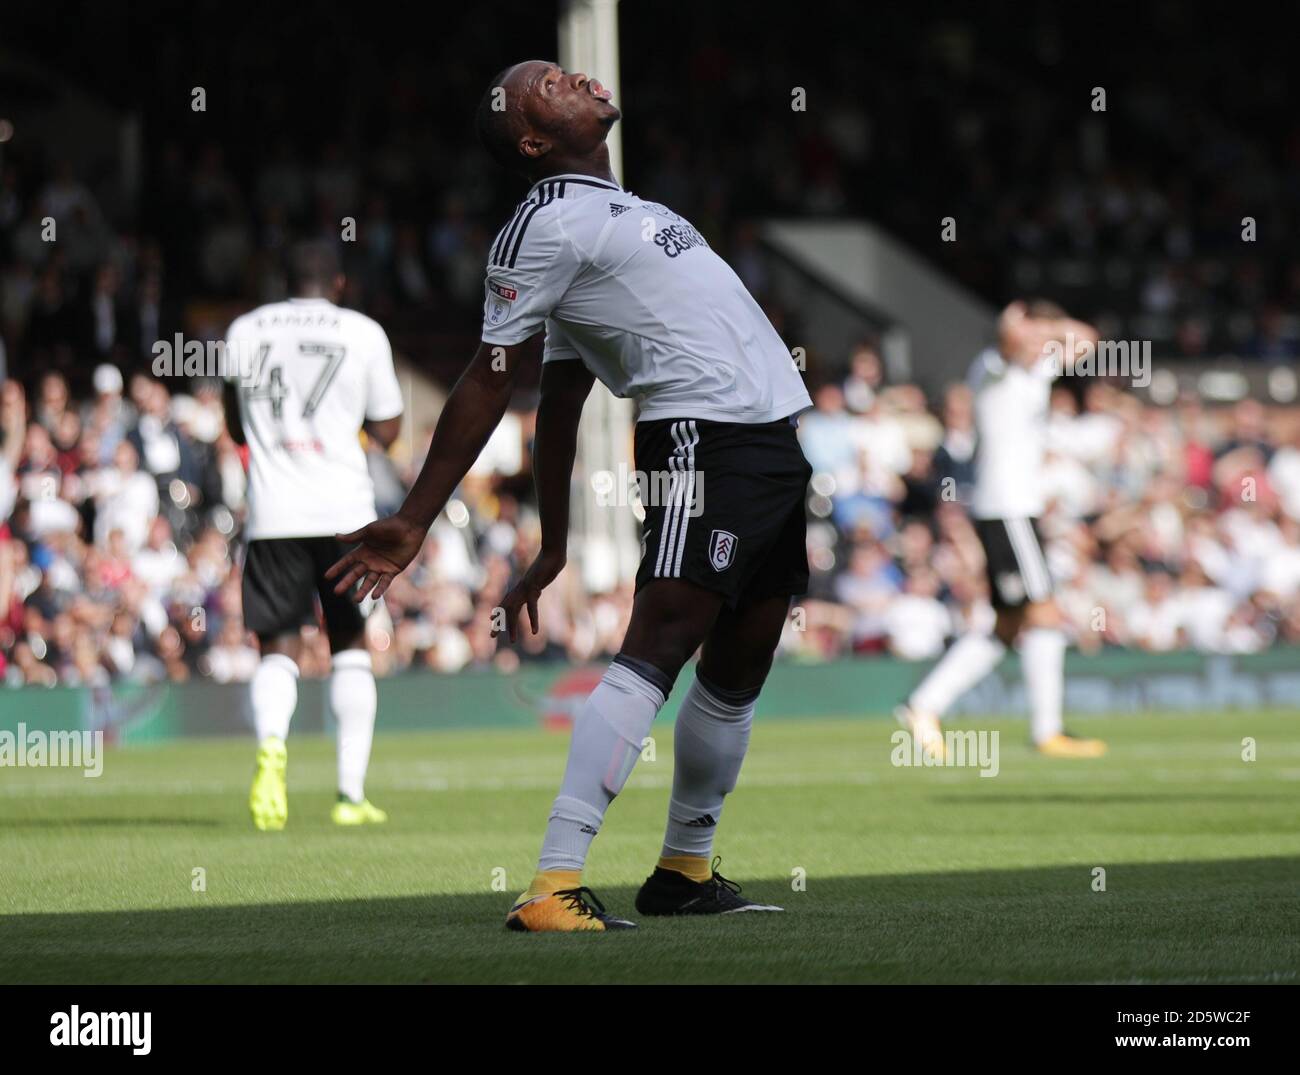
[(598, 91)]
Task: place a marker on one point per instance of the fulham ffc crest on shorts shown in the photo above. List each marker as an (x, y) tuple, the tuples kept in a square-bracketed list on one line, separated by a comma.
[(722, 549)]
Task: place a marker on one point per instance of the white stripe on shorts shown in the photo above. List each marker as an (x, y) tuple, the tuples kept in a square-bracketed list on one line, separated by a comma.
[(681, 492), (1029, 559)]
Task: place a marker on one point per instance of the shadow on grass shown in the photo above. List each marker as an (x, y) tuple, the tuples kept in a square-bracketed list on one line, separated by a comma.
[(1235, 920)]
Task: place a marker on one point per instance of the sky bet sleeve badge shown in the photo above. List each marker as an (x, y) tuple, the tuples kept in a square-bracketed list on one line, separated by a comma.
[(499, 299)]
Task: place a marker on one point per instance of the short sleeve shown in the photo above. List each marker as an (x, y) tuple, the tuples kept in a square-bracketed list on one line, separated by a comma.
[(383, 393), (530, 267)]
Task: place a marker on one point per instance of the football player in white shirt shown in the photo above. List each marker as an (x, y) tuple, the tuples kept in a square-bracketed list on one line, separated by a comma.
[(314, 376), (1012, 385), (628, 292)]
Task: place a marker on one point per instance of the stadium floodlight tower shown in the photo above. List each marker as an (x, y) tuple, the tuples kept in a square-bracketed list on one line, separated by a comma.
[(604, 530)]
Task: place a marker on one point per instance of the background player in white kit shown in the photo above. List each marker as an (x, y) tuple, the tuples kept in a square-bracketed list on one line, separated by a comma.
[(627, 291), (316, 376), (1012, 385)]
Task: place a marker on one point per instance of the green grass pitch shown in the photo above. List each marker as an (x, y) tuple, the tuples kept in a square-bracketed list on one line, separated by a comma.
[(909, 875)]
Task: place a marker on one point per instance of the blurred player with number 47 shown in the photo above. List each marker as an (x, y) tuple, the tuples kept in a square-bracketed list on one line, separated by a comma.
[(308, 377)]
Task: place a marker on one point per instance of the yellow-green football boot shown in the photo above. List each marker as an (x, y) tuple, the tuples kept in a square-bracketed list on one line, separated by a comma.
[(268, 801), (346, 812)]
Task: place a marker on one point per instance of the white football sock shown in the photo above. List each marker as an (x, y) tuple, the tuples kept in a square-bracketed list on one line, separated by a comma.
[(1042, 652), (709, 744), (971, 658), (606, 743), (274, 693), (353, 701)]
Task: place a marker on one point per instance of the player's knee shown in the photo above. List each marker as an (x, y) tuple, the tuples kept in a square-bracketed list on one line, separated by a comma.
[(741, 672), (1042, 614), (738, 699), (341, 641), (1008, 624), (285, 645), (666, 647)]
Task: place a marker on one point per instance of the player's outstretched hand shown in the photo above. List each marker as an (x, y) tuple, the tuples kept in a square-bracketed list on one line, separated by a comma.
[(384, 548), (540, 574)]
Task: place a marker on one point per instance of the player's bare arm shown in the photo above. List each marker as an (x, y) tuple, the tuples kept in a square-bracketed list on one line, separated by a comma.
[(565, 387), (230, 402), (384, 432), (1068, 330), (473, 410)]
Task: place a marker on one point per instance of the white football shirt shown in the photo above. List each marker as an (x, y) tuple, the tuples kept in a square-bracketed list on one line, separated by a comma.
[(1011, 404), (633, 291), (316, 373)]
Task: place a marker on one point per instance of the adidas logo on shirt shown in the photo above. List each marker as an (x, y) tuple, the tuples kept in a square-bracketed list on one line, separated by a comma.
[(618, 210)]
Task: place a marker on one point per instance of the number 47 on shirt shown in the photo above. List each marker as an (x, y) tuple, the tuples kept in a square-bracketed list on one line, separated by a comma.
[(268, 383)]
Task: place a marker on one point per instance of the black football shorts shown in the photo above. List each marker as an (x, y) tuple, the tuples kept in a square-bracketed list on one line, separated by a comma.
[(283, 580), (724, 506), (1014, 562)]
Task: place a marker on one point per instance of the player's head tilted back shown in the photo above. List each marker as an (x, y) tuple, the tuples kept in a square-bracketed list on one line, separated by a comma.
[(315, 271), (537, 119), (1025, 327), (726, 403)]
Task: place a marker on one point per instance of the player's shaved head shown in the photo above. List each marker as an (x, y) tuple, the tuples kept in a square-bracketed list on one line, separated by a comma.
[(536, 119), (500, 117)]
